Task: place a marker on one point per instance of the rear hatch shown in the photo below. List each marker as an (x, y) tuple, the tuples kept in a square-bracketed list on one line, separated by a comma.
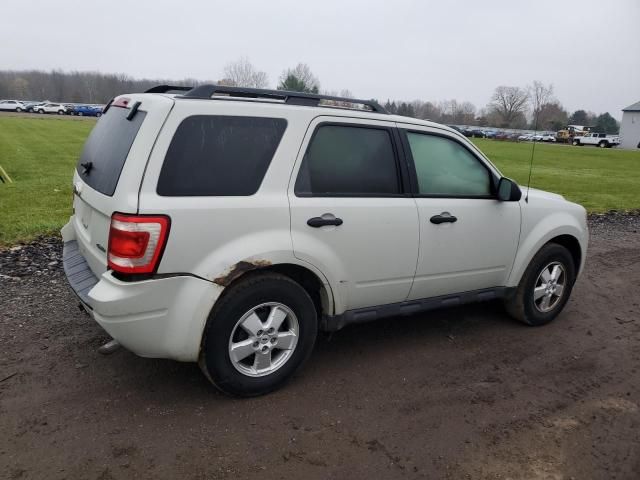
[(110, 169)]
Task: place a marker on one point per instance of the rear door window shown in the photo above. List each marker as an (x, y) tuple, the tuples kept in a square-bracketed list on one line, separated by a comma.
[(215, 155), (107, 148), (345, 161)]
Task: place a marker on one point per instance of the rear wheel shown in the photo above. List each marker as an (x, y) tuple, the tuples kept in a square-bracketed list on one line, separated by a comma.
[(18, 109), (99, 114), (60, 112), (545, 286), (576, 143), (258, 334), (40, 111), (80, 114)]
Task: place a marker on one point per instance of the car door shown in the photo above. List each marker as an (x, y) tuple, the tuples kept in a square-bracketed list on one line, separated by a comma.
[(468, 239), (350, 215)]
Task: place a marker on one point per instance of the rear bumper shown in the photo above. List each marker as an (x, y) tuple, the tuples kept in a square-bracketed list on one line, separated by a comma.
[(160, 318)]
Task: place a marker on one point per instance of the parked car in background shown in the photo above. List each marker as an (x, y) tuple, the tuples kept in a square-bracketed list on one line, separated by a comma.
[(602, 140), (58, 108), (490, 134), (527, 137), (11, 106), (457, 129), (234, 229), (477, 133), (31, 106), (86, 111), (547, 137)]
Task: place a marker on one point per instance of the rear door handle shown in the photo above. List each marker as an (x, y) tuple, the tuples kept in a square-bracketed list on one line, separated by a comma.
[(317, 222), (444, 217)]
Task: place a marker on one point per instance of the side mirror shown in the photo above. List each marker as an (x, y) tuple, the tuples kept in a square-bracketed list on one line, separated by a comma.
[(508, 190)]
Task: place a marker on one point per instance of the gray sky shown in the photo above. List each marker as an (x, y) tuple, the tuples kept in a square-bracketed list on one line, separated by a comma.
[(401, 49)]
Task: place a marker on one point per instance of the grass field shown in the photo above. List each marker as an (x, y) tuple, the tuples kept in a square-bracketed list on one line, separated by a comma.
[(39, 154)]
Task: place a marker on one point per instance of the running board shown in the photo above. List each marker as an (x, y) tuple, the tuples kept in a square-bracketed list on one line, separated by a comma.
[(333, 323)]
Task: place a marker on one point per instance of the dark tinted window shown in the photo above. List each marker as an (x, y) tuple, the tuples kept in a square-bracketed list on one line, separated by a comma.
[(219, 155), (343, 160), (107, 148)]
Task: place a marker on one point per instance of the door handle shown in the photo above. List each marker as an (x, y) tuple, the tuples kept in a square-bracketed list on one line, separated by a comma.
[(317, 222), (444, 217)]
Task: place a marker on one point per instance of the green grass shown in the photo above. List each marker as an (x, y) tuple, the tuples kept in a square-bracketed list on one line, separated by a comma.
[(599, 179), (39, 154)]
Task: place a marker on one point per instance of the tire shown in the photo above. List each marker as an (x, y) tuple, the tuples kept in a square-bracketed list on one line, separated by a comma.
[(256, 297), (603, 144), (40, 111), (523, 306), (60, 112), (18, 110), (576, 143), (99, 114), (80, 114)]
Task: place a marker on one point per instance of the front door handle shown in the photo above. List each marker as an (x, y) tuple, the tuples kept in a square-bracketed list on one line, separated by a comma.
[(444, 217), (317, 222)]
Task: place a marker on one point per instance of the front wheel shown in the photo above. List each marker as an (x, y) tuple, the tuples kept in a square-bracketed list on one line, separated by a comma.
[(18, 109), (603, 144), (576, 143), (545, 286), (60, 112), (99, 114), (258, 334)]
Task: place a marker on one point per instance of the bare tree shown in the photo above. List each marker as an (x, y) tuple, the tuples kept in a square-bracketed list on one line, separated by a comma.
[(509, 104), (540, 95), (242, 73)]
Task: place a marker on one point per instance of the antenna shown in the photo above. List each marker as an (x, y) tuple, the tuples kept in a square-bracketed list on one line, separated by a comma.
[(533, 150)]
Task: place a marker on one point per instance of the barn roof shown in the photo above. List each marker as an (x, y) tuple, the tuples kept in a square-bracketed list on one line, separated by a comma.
[(632, 108)]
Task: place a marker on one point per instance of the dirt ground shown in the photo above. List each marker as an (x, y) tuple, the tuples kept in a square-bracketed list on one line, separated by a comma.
[(463, 393)]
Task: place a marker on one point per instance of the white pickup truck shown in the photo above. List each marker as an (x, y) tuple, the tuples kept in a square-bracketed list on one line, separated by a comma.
[(601, 140)]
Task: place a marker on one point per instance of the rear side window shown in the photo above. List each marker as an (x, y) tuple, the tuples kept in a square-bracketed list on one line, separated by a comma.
[(219, 155), (349, 161), (107, 148)]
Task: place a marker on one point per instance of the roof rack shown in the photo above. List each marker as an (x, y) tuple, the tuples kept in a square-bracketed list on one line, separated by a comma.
[(284, 96), (168, 88)]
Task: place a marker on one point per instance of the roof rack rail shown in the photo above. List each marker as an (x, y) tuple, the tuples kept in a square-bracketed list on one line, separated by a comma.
[(284, 96), (168, 88)]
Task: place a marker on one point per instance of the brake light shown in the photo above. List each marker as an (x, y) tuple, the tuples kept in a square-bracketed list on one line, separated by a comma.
[(121, 102), (136, 242)]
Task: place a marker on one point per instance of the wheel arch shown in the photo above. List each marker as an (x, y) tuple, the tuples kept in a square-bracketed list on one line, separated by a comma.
[(314, 283), (572, 244), (561, 228)]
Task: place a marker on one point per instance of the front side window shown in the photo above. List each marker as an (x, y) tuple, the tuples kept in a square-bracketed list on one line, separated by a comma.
[(219, 155), (344, 160), (446, 168)]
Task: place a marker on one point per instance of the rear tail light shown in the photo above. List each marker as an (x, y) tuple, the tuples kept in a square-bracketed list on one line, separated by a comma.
[(136, 242)]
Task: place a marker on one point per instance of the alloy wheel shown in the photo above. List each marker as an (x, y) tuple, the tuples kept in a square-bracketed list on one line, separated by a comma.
[(264, 339), (549, 287)]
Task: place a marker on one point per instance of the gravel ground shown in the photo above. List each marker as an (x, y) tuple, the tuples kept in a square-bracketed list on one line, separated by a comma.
[(462, 393)]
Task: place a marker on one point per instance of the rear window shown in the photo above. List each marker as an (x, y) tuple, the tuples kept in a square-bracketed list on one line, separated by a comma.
[(219, 155), (107, 148)]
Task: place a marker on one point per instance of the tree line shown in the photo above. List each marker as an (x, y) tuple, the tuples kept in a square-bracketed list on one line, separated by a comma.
[(533, 106)]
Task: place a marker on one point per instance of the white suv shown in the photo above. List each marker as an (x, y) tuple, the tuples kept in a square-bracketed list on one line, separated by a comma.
[(51, 108), (228, 225), (12, 105)]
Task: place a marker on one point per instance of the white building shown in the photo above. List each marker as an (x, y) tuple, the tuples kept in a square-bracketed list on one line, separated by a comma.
[(630, 127)]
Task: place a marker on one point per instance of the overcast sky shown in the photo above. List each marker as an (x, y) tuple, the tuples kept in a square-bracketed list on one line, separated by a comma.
[(400, 49)]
